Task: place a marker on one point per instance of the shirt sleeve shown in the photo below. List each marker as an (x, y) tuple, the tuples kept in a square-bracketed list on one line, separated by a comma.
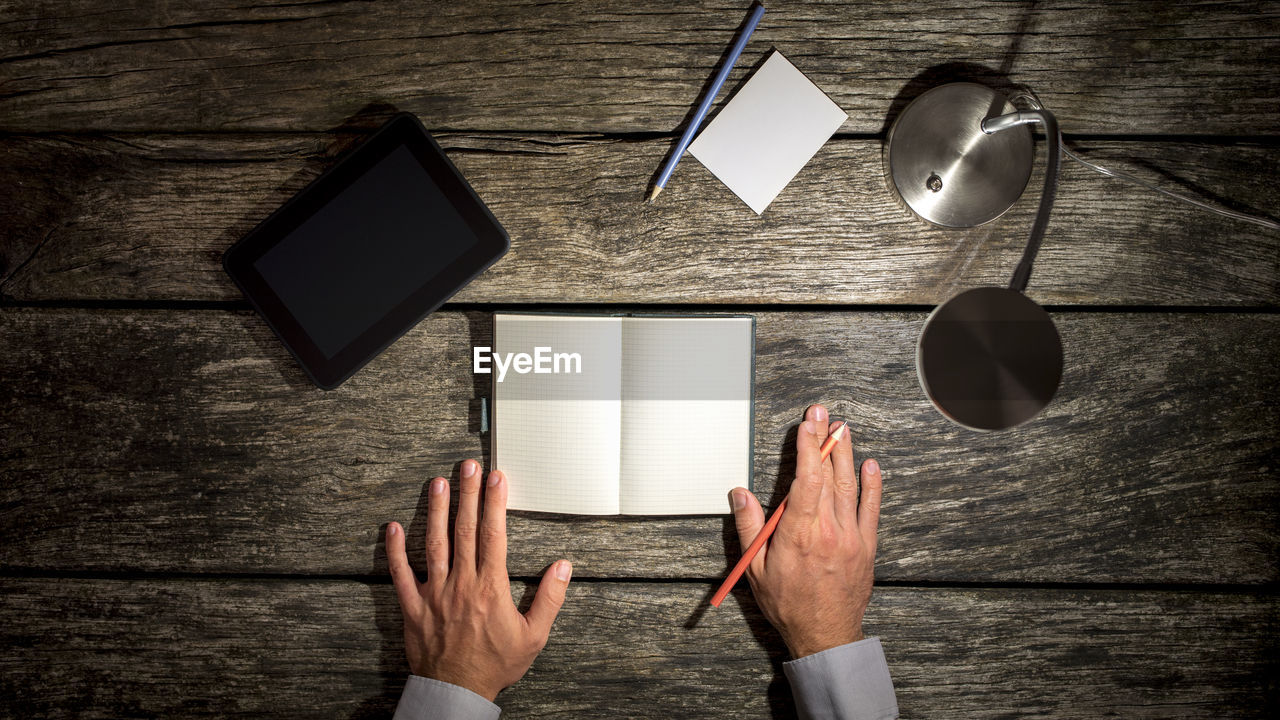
[(847, 682), (427, 699)]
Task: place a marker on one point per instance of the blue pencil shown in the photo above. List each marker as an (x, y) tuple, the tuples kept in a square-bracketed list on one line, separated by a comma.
[(756, 12)]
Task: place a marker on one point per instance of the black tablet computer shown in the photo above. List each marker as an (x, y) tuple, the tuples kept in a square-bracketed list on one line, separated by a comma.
[(364, 252)]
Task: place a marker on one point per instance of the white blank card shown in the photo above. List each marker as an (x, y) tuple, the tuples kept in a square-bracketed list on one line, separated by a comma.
[(767, 132)]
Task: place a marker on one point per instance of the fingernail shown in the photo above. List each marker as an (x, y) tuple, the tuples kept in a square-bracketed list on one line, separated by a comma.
[(873, 467), (819, 413), (468, 468), (739, 500), (495, 477), (392, 529), (563, 568), (437, 486)]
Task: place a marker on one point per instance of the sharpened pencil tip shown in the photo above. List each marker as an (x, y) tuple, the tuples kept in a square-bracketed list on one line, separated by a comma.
[(654, 192)]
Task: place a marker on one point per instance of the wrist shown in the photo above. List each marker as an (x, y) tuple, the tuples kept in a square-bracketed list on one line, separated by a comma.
[(805, 646)]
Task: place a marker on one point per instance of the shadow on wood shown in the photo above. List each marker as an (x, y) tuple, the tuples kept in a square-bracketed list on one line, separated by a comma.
[(781, 703), (339, 140), (779, 691), (392, 665), (1199, 191), (963, 72)]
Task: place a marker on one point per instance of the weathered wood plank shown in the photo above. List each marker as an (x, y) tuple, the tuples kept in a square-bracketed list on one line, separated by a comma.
[(334, 649), (1104, 67), (148, 217), (164, 440)]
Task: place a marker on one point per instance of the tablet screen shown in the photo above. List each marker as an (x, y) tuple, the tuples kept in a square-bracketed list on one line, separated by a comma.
[(375, 244), (365, 251)]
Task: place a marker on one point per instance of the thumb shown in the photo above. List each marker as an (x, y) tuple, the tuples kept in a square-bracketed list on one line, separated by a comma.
[(550, 596), (748, 516)]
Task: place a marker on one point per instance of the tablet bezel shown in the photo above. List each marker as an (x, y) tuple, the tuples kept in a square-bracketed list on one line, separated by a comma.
[(492, 242)]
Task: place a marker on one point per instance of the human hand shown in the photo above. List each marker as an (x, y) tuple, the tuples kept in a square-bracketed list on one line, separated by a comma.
[(813, 578), (461, 625)]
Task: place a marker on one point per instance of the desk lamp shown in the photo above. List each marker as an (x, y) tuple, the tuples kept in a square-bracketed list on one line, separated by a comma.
[(959, 156)]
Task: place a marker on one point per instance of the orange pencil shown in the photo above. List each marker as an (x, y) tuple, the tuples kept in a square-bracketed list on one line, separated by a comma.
[(767, 530)]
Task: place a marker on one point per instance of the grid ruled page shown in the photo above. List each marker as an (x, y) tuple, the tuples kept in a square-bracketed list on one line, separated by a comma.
[(686, 414), (556, 435)]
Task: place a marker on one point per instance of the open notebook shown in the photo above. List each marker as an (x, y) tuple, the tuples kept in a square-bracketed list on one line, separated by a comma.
[(657, 421)]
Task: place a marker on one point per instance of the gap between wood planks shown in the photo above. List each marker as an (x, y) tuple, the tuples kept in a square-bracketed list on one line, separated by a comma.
[(1219, 139), (1260, 590), (243, 306)]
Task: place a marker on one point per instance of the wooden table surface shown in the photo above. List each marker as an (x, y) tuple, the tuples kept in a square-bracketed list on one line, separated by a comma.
[(190, 528)]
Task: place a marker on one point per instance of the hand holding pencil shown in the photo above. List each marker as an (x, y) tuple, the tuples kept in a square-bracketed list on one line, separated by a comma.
[(813, 578), (763, 536)]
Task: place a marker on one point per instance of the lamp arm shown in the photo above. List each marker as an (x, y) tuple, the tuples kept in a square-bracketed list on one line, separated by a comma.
[(1022, 275)]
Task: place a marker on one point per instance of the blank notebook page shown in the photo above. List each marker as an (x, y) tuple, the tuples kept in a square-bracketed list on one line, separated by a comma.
[(556, 436), (686, 414)]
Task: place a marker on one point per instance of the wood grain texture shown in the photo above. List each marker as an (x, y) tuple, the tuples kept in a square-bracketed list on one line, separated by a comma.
[(334, 649), (171, 484), (149, 216), (188, 441), (1103, 67)]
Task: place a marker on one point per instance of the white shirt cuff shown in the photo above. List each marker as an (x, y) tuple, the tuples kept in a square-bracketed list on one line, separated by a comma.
[(847, 682), (428, 699)]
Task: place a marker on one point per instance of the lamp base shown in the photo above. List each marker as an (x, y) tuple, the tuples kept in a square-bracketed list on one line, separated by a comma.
[(945, 168)]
